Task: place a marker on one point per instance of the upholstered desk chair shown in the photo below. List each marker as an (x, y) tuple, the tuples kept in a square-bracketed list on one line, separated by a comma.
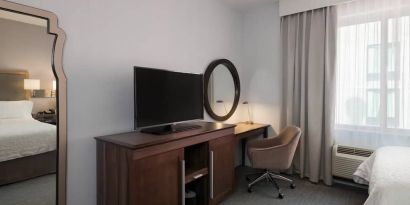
[(274, 154)]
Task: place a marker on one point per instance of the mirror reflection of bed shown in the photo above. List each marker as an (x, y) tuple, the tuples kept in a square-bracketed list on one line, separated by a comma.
[(28, 134)]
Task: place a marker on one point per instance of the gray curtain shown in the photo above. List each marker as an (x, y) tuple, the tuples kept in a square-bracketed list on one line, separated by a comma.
[(308, 61)]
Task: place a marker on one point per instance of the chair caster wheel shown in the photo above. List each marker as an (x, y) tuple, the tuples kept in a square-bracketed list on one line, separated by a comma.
[(280, 196), (249, 190), (292, 186)]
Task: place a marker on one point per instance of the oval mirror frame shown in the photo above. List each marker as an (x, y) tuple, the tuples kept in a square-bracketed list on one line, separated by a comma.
[(208, 72), (61, 92)]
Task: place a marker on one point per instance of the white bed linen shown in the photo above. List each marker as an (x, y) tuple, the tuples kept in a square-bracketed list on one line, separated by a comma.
[(16, 109), (25, 137), (388, 174)]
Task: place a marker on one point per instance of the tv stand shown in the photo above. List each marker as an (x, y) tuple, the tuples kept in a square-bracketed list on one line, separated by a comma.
[(132, 166), (169, 129)]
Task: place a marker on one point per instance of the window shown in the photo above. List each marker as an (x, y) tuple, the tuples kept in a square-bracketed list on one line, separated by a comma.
[(373, 74)]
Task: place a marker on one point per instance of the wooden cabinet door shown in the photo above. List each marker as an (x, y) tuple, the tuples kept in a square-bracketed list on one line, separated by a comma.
[(156, 180), (222, 163)]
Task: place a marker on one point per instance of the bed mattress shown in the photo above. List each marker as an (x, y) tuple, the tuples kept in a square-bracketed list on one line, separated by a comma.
[(25, 137), (387, 172)]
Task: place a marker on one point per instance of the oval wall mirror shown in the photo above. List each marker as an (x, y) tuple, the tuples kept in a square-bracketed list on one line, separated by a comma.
[(222, 89), (33, 127)]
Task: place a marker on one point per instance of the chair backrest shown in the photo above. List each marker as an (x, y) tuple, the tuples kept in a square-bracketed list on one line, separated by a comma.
[(290, 137), (275, 153)]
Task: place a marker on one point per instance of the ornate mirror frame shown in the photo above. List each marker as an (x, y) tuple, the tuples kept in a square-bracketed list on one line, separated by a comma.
[(208, 72), (61, 94)]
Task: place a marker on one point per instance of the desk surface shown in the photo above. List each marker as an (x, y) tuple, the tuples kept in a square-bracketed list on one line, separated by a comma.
[(243, 127), (135, 139)]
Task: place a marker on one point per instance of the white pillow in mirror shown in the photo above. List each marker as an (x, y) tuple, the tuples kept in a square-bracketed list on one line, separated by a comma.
[(15, 109)]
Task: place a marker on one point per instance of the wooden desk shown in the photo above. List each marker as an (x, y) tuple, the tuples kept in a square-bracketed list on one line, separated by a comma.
[(243, 131)]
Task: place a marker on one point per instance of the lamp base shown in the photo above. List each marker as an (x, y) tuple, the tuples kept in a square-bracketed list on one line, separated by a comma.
[(249, 122)]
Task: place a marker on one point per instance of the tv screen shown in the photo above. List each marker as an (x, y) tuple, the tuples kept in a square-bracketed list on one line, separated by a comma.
[(164, 97)]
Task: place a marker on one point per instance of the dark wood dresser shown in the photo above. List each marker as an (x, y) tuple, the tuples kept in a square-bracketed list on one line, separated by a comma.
[(143, 169)]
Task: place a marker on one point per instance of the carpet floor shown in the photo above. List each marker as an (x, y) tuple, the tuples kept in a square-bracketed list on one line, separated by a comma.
[(306, 193), (37, 191), (41, 191)]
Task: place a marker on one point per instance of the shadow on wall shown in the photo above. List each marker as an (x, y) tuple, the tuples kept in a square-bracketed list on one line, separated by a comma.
[(265, 92)]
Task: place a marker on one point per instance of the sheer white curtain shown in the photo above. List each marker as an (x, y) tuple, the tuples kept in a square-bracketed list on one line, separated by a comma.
[(373, 73)]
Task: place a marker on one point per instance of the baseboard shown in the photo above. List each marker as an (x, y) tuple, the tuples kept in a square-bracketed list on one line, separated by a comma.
[(351, 183)]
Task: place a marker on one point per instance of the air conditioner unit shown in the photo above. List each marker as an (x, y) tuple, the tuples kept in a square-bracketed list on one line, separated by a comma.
[(346, 159)]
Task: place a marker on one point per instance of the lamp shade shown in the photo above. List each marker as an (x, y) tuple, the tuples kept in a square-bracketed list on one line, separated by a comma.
[(54, 85), (31, 84)]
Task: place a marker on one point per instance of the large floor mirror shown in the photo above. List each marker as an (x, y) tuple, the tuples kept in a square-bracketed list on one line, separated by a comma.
[(32, 107)]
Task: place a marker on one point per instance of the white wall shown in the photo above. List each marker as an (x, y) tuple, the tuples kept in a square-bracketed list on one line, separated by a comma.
[(288, 7), (261, 60), (104, 40)]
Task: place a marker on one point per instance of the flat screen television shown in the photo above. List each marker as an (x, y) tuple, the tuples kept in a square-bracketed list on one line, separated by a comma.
[(164, 97)]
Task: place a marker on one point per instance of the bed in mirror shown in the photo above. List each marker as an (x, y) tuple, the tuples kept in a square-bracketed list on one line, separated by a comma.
[(32, 107), (222, 89)]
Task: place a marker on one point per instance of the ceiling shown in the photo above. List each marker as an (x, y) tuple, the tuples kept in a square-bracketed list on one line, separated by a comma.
[(243, 4)]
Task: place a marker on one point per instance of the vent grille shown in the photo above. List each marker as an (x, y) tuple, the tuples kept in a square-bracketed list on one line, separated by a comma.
[(354, 151), (346, 159)]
